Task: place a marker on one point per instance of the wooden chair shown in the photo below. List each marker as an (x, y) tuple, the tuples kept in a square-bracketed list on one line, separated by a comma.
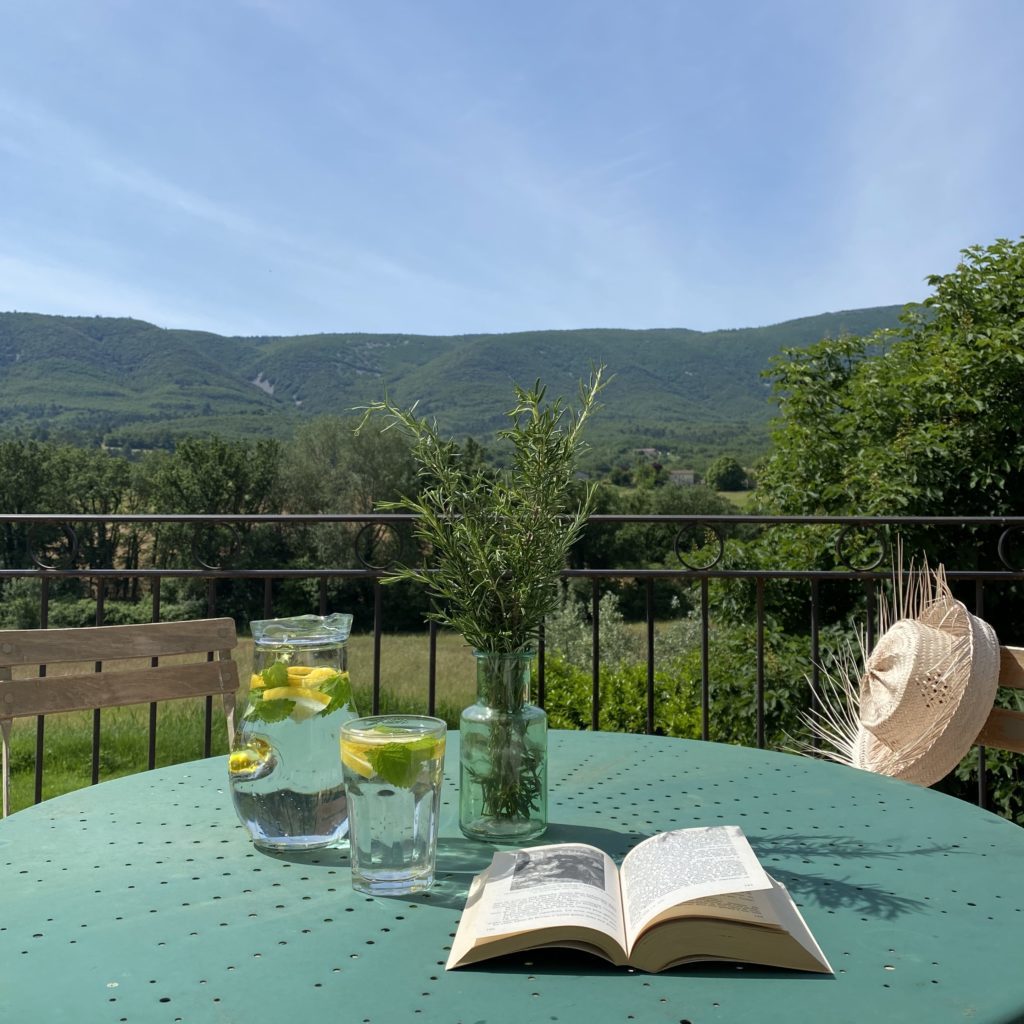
[(1004, 728), (113, 688)]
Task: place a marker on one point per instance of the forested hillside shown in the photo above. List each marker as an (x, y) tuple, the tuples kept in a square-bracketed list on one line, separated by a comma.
[(127, 383)]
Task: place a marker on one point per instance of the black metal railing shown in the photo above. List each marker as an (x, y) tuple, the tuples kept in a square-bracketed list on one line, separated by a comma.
[(694, 551)]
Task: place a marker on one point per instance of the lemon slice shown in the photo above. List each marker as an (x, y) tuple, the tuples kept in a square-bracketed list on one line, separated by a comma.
[(316, 676), (354, 757), (256, 681), (299, 694), (298, 671), (252, 761)]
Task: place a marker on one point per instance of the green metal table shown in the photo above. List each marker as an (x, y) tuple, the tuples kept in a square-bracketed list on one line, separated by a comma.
[(142, 900)]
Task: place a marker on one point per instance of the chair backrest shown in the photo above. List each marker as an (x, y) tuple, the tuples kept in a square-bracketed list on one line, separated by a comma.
[(114, 687), (1004, 728)]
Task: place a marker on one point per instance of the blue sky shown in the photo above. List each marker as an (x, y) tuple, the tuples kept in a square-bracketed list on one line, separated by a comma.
[(441, 167)]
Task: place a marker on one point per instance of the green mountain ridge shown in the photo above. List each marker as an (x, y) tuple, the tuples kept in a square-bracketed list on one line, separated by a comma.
[(128, 383)]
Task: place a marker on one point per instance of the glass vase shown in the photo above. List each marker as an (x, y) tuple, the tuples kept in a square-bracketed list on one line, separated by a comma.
[(504, 753), (285, 767)]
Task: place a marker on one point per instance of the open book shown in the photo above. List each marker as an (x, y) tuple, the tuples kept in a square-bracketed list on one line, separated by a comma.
[(693, 894)]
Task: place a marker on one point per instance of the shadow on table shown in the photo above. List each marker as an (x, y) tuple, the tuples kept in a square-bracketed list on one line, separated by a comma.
[(832, 892), (459, 858), (559, 962)]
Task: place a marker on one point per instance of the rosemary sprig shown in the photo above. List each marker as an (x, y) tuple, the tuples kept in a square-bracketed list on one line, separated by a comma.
[(495, 541)]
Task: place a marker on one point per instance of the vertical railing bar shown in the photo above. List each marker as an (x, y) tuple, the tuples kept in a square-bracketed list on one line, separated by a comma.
[(268, 598), (44, 623), (323, 596), (542, 690), (151, 753), (705, 663), (979, 610), (432, 669), (760, 662), (595, 655), (211, 611), (208, 722), (871, 612), (815, 653), (649, 587), (101, 596), (377, 629)]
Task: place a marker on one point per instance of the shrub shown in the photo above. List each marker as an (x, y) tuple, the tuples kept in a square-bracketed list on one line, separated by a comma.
[(623, 703)]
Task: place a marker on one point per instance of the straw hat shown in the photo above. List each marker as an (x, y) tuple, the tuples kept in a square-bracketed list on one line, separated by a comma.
[(925, 691)]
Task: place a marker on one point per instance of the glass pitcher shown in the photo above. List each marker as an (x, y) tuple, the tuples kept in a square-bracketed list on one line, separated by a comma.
[(285, 767)]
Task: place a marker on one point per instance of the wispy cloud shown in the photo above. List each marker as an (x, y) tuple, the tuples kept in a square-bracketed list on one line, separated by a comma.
[(450, 167), (310, 262)]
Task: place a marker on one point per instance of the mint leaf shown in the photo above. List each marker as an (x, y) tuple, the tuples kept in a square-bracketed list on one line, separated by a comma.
[(339, 689), (269, 710), (399, 763), (276, 674), (394, 763)]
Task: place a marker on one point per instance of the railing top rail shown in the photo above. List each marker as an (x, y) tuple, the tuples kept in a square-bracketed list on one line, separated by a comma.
[(992, 575), (392, 517)]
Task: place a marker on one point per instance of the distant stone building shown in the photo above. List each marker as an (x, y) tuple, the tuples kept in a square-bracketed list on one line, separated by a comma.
[(682, 477)]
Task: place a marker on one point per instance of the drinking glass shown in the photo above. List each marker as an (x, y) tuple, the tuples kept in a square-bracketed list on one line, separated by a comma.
[(393, 767)]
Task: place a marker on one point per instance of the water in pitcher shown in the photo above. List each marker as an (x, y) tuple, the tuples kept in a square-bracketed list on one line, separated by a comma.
[(284, 769), (281, 788)]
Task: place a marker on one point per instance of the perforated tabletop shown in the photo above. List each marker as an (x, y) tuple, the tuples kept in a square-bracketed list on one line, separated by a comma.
[(142, 900)]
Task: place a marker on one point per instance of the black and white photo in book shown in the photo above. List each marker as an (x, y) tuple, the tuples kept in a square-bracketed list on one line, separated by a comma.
[(563, 865)]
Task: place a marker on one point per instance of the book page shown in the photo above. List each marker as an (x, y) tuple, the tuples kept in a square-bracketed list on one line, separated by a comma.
[(762, 927), (566, 885), (687, 864), (738, 906)]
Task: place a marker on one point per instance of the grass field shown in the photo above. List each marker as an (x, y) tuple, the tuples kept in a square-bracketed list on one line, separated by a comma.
[(741, 499), (124, 732)]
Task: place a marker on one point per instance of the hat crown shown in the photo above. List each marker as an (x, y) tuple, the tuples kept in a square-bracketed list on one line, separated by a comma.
[(907, 679)]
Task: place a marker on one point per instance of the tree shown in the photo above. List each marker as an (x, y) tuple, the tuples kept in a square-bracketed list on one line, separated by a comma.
[(24, 478), (922, 420), (328, 467), (211, 476), (94, 482), (643, 544), (725, 474)]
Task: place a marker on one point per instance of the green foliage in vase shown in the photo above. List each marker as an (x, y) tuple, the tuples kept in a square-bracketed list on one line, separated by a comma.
[(496, 540)]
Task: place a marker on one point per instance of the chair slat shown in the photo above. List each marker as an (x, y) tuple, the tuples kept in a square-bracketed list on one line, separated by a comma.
[(110, 643), (52, 694), (1004, 729), (1011, 667)]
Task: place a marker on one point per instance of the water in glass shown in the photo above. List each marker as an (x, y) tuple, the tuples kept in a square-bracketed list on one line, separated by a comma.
[(393, 768)]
